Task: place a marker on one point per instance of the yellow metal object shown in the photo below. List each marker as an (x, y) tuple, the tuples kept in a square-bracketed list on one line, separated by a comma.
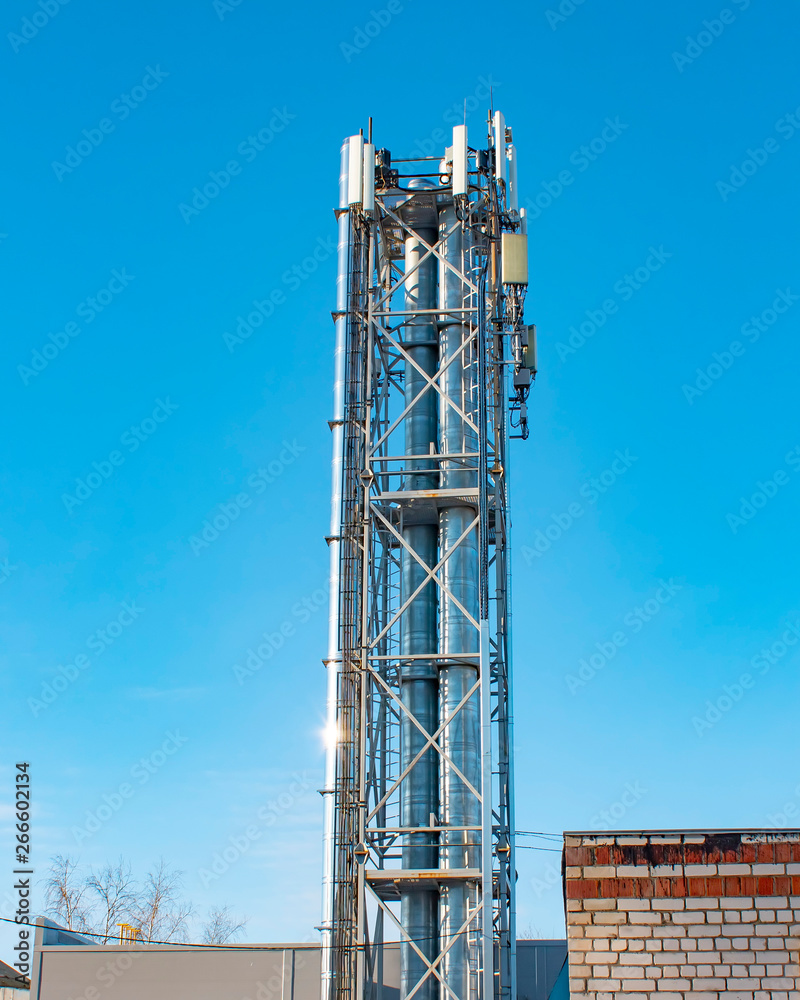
[(128, 934)]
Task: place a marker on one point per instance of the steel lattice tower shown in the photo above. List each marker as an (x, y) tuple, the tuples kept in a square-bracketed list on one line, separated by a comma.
[(433, 368)]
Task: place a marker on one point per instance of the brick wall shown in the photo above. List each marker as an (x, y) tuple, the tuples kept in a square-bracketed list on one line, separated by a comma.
[(701, 915)]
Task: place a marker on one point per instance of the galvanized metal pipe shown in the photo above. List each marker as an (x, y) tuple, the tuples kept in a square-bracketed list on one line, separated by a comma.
[(418, 627), (460, 575), (334, 655)]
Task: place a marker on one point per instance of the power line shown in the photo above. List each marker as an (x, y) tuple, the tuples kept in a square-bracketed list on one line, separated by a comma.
[(174, 944), (226, 947), (539, 833)]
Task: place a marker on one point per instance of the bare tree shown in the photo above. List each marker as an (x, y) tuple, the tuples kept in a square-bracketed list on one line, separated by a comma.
[(116, 893), (99, 901), (65, 889), (221, 926), (160, 912)]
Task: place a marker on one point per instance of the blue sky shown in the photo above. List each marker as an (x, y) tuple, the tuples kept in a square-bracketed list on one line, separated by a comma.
[(661, 169)]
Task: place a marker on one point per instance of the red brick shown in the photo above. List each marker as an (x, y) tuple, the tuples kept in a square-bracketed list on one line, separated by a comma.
[(714, 886), (697, 886), (622, 888), (783, 886), (581, 888), (766, 854), (748, 885), (765, 885), (795, 852), (609, 888), (748, 854), (695, 854), (783, 853), (663, 888), (578, 856), (733, 886), (796, 885), (678, 887), (645, 886), (602, 855), (627, 888)]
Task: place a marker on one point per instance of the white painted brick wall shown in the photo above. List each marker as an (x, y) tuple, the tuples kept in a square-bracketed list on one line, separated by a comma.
[(640, 948), (706, 948)]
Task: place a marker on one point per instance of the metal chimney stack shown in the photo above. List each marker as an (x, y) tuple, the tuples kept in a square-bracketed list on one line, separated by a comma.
[(433, 369)]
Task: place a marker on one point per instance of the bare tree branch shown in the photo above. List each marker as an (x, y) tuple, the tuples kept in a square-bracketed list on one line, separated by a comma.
[(161, 913), (117, 894), (65, 889), (221, 926), (99, 901)]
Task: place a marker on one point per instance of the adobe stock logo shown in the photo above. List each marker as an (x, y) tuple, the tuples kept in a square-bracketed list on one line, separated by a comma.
[(263, 309), (625, 288), (635, 620), (223, 7), (249, 149), (141, 772), (608, 819), (788, 126), (752, 330), (103, 469), (88, 310), (267, 815), (98, 642), (454, 115), (760, 664), (765, 491), (582, 158), (31, 26), (122, 108), (227, 512), (6, 569), (562, 521), (704, 39), (259, 655), (565, 9), (362, 36)]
